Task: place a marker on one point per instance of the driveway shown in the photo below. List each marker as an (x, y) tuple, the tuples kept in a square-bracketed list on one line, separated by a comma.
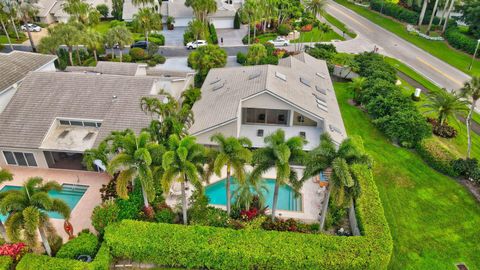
[(36, 36), (232, 37), (173, 37)]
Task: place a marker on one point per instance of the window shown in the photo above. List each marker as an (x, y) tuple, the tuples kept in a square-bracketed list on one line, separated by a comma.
[(20, 159), (65, 122), (89, 124), (76, 123), (265, 116), (80, 123)]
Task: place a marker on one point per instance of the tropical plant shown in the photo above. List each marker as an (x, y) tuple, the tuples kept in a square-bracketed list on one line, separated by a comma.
[(445, 105), (5, 175), (255, 54), (3, 18), (183, 163), (343, 183), (119, 35), (202, 8), (356, 87), (422, 12), (27, 11), (147, 20), (10, 9), (316, 7), (253, 11), (253, 188), (471, 90), (234, 154), (67, 34), (117, 9), (81, 12), (432, 17), (103, 10), (27, 209), (205, 58), (134, 161), (279, 153), (143, 2), (92, 40), (48, 45)]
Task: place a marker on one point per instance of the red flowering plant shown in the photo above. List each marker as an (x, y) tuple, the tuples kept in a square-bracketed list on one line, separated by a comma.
[(15, 250), (249, 214)]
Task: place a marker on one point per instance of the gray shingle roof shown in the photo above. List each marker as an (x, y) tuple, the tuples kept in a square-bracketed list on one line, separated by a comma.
[(15, 65), (219, 105), (112, 68), (44, 96)]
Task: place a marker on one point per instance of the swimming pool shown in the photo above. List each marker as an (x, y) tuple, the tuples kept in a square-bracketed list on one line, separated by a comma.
[(70, 194), (286, 196)]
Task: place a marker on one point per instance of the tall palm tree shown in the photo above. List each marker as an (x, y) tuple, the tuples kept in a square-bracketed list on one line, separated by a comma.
[(68, 35), (327, 156), (202, 8), (27, 10), (248, 190), (3, 18), (119, 35), (471, 90), (48, 45), (147, 20), (183, 162), (132, 162), (279, 153), (450, 8), (431, 17), (445, 105), (356, 87), (81, 12), (92, 40), (234, 154), (316, 7), (422, 13), (27, 209), (10, 8), (4, 176)]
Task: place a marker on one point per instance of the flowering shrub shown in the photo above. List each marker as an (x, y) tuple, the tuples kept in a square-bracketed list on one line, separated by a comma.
[(15, 251), (307, 28), (249, 214), (444, 131)]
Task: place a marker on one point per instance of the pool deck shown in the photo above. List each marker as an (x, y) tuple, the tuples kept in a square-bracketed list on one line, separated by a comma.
[(80, 216)]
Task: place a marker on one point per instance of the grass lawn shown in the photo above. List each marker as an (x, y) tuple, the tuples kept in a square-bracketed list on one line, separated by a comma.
[(4, 40), (316, 35), (104, 26), (340, 25), (438, 49), (433, 219)]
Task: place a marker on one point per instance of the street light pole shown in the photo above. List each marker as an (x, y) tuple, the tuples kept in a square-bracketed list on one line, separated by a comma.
[(474, 55)]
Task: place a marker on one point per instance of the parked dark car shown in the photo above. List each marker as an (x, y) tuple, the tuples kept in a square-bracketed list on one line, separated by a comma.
[(140, 44)]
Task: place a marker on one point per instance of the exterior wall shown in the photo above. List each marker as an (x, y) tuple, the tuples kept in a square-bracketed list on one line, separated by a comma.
[(38, 154), (48, 67), (227, 130), (5, 97), (182, 22), (49, 19), (222, 23)]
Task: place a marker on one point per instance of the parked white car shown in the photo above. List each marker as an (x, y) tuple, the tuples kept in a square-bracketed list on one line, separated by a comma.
[(195, 44), (279, 41), (32, 27)]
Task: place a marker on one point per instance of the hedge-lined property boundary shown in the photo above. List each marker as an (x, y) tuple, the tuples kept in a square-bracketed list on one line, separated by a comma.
[(33, 261), (221, 248)]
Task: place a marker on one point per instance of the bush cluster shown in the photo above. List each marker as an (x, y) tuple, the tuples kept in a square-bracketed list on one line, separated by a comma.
[(396, 11), (83, 244), (289, 225), (283, 29), (5, 262), (208, 247), (467, 168), (459, 40), (391, 111), (437, 156), (444, 131)]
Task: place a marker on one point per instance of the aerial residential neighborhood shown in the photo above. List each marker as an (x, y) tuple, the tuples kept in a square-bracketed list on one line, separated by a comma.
[(239, 134)]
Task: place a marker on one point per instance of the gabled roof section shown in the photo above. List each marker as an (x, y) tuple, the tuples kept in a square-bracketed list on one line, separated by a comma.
[(15, 65), (112, 68)]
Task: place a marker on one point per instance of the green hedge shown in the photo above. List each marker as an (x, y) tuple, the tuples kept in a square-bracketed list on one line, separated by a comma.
[(5, 262), (213, 33), (437, 156), (221, 248), (84, 244), (459, 40), (42, 262), (395, 11)]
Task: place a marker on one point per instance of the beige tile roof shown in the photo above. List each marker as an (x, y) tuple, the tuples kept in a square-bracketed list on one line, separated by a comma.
[(15, 65), (112, 68), (44, 96), (220, 106)]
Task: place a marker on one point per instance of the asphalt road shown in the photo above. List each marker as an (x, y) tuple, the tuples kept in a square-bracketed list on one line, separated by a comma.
[(370, 35)]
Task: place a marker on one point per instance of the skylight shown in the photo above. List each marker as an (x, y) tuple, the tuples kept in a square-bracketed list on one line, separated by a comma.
[(216, 87), (321, 90), (281, 76), (305, 81), (254, 75), (321, 75), (215, 81)]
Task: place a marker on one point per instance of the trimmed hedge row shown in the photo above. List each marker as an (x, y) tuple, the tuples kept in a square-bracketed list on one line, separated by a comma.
[(459, 40), (84, 244), (222, 248), (437, 156), (395, 11), (42, 262), (5, 262)]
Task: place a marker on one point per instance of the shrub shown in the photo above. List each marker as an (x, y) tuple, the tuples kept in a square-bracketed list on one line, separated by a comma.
[(241, 58), (467, 168), (283, 29), (396, 11), (152, 49), (137, 54), (103, 9), (83, 244), (56, 243), (459, 40), (105, 214), (116, 23), (236, 21), (125, 58), (444, 131), (165, 215), (159, 59), (213, 33), (437, 156), (158, 39), (131, 208), (14, 251), (5, 262)]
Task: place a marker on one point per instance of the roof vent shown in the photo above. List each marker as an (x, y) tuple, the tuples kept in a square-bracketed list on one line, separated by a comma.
[(114, 98), (215, 81), (305, 81), (321, 75), (281, 76), (320, 90), (216, 87), (254, 75)]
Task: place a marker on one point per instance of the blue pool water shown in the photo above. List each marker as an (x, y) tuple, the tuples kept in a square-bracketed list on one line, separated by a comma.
[(70, 194), (286, 196)]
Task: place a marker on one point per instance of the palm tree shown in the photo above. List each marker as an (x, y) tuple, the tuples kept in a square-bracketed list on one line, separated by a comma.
[(445, 104), (81, 12), (10, 8), (147, 20), (356, 87), (68, 35), (27, 209), (248, 190), (3, 17), (183, 162), (422, 13), (48, 45), (4, 176), (279, 153), (471, 90), (452, 3), (431, 17), (27, 10), (234, 154), (119, 35), (133, 161), (327, 156), (202, 8), (143, 2), (316, 7), (92, 40)]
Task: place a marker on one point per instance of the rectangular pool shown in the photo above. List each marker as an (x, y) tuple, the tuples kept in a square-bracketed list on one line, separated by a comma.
[(70, 194)]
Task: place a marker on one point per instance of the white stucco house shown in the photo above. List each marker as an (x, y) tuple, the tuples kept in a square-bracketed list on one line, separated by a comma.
[(51, 11), (254, 101), (222, 19), (14, 66)]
